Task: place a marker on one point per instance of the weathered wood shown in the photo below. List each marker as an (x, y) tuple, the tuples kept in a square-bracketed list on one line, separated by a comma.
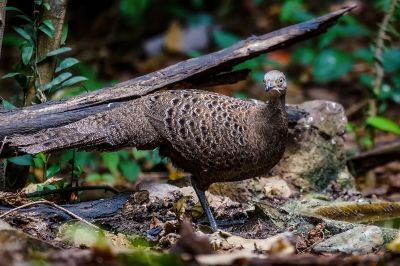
[(88, 210), (196, 71), (362, 163)]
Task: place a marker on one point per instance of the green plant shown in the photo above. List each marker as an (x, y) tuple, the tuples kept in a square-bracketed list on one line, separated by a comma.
[(25, 72), (329, 62)]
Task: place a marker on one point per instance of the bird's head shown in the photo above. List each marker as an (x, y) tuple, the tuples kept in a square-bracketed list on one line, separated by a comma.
[(275, 82)]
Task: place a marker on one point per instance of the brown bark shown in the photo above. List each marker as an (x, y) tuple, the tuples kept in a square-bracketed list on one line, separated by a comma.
[(195, 72), (367, 161)]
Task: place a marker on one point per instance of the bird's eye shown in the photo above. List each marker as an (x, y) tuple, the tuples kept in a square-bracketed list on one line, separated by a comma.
[(281, 80)]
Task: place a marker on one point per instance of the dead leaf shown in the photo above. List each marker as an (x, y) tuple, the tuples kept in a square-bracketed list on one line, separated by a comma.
[(173, 38), (34, 187)]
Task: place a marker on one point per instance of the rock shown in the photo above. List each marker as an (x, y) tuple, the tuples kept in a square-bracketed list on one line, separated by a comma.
[(231, 248), (159, 190), (359, 240), (276, 187), (314, 156), (327, 116), (315, 153), (5, 226)]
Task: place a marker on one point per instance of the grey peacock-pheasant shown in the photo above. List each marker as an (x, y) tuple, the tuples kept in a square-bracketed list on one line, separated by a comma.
[(214, 137)]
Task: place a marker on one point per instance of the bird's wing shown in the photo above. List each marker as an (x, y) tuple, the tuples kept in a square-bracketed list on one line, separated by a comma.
[(202, 125)]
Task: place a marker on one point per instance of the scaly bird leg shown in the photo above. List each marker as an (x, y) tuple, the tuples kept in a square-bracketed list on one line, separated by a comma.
[(204, 204)]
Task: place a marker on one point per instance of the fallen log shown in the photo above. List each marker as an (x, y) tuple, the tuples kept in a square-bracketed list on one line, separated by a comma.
[(89, 210), (197, 72), (366, 161)]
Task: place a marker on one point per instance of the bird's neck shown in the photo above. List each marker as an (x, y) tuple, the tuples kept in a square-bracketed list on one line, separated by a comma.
[(276, 101)]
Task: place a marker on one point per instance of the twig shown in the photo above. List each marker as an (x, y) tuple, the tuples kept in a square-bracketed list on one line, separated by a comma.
[(356, 107), (53, 205), (2, 144), (70, 189)]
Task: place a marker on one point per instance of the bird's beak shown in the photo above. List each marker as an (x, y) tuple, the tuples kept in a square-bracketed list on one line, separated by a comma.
[(269, 85)]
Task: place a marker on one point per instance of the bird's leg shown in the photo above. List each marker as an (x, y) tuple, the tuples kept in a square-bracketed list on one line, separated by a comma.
[(204, 204)]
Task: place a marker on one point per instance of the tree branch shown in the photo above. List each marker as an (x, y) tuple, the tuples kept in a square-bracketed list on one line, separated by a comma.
[(193, 72)]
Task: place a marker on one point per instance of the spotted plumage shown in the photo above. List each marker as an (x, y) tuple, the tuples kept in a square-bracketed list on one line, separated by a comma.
[(215, 137)]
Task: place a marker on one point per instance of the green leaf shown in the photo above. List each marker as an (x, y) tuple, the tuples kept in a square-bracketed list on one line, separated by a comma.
[(93, 177), (124, 155), (46, 31), (38, 2), (78, 171), (38, 162), (64, 34), (384, 124), (11, 8), (367, 142), (367, 80), (364, 54), (43, 157), (57, 80), (50, 187), (61, 78), (26, 53), (59, 51), (385, 92), (49, 24), (130, 169), (21, 160), (141, 154), (7, 105), (73, 81), (331, 64), (108, 178), (391, 60), (111, 160), (25, 17), (23, 33), (224, 39), (52, 170), (10, 75), (47, 6), (66, 63)]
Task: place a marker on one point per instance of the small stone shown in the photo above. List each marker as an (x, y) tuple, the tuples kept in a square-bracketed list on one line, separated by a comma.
[(277, 188), (359, 240)]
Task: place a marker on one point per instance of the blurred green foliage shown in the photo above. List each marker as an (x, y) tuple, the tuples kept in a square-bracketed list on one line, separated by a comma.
[(26, 72), (133, 10), (118, 164), (325, 57)]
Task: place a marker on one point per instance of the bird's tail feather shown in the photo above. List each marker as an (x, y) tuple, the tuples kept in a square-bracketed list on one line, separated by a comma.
[(111, 130), (54, 139)]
